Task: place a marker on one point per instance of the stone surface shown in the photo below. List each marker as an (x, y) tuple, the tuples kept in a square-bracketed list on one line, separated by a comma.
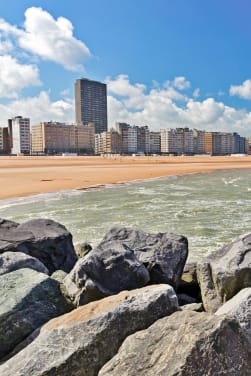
[(185, 299), (163, 254), (82, 341), (189, 283), (28, 299), (44, 239), (197, 307), (103, 272), (82, 249), (11, 261), (239, 307), (224, 273), (184, 344)]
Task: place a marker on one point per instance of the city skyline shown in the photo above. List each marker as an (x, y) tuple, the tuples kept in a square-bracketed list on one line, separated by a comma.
[(165, 64)]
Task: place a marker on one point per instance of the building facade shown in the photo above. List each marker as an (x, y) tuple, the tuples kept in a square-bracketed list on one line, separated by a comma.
[(177, 141), (154, 142), (20, 130), (108, 142), (4, 141), (91, 104), (58, 138)]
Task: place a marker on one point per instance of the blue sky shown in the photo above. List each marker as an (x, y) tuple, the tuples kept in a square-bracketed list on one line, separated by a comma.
[(167, 63)]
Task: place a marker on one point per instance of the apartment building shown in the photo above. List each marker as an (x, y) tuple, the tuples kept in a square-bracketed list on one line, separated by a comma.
[(85, 138), (177, 141), (20, 130), (91, 103), (154, 142), (199, 141), (4, 141), (108, 142), (57, 138), (135, 139)]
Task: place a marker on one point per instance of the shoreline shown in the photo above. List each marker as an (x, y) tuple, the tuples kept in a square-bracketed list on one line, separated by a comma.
[(28, 176)]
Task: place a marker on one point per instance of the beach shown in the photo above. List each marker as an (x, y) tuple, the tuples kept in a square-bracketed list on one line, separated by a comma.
[(25, 176)]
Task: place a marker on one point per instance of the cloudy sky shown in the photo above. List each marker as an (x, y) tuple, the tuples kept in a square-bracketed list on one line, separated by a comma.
[(167, 63)]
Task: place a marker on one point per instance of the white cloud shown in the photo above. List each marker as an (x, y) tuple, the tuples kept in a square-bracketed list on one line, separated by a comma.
[(158, 109), (50, 39), (39, 108), (196, 93), (242, 91), (15, 76), (181, 83)]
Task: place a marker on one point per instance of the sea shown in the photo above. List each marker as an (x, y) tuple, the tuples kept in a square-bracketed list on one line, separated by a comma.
[(210, 209)]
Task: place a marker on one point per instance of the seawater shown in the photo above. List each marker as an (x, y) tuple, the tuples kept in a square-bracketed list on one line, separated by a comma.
[(210, 209)]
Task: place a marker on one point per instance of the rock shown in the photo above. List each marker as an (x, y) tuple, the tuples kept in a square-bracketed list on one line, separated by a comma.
[(44, 239), (184, 344), (11, 261), (103, 272), (224, 273), (189, 283), (82, 249), (5, 224), (28, 299), (82, 341), (163, 254), (59, 275), (239, 307), (197, 307), (185, 299)]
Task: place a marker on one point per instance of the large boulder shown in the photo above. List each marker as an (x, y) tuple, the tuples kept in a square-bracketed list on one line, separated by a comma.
[(224, 273), (164, 254), (239, 307), (44, 239), (104, 272), (82, 341), (28, 299), (11, 261), (184, 344)]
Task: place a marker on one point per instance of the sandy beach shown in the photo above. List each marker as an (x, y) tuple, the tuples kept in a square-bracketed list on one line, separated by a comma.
[(24, 176)]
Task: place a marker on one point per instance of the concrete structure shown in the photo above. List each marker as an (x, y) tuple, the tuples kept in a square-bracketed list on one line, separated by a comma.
[(224, 143), (108, 142), (20, 129), (85, 138), (199, 141), (91, 104), (4, 141), (134, 139), (57, 138), (154, 142), (177, 141)]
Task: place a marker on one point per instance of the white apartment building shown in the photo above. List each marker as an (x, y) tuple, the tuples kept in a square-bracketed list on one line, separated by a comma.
[(177, 141), (20, 135)]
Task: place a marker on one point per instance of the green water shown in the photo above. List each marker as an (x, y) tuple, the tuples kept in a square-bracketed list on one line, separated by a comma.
[(210, 209)]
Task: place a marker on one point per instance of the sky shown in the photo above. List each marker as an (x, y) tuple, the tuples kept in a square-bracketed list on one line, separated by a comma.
[(167, 63)]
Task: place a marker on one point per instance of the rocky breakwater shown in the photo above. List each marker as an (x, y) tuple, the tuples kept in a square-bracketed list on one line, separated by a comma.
[(126, 307)]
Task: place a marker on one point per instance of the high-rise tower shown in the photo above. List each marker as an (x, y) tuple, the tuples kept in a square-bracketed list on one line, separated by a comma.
[(91, 103)]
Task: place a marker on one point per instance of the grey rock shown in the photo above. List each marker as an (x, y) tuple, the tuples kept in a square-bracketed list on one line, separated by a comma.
[(163, 254), (11, 261), (196, 307), (239, 307), (224, 273), (184, 344), (59, 275), (28, 299), (189, 283), (44, 239), (185, 299), (82, 249), (82, 341), (104, 272)]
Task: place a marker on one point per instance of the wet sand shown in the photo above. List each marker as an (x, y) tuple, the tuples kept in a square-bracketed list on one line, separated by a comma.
[(24, 176)]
